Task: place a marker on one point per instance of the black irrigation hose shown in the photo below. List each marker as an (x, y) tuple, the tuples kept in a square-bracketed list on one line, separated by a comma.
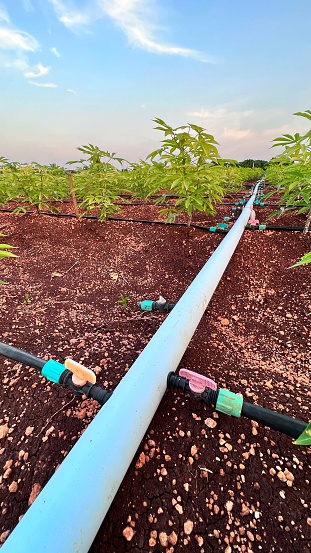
[(21, 356), (89, 390), (147, 221), (277, 421)]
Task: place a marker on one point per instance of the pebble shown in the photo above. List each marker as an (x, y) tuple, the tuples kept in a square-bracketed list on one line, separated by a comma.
[(172, 538), (35, 490), (128, 533), (194, 450), (250, 535), (29, 430), (199, 540), (13, 487), (224, 322), (4, 429), (4, 536), (163, 539), (211, 423), (188, 527)]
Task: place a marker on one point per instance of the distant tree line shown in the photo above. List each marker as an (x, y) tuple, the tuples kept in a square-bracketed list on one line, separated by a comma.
[(252, 163)]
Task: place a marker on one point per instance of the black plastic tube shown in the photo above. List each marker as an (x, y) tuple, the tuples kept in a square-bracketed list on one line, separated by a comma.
[(272, 419), (147, 221), (21, 356)]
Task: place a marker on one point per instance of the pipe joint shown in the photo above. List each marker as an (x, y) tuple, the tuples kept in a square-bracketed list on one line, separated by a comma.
[(88, 389), (160, 305), (229, 403)]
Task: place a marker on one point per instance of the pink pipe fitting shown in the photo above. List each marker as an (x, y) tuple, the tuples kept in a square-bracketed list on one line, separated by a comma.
[(197, 382)]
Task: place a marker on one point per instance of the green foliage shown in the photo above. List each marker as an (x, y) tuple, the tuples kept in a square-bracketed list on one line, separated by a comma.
[(32, 183), (4, 248), (290, 173), (96, 156), (254, 163), (123, 301), (5, 253), (99, 184), (303, 261), (183, 167), (305, 437)]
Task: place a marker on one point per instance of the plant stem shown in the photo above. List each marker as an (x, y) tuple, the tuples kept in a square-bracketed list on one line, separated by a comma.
[(308, 221)]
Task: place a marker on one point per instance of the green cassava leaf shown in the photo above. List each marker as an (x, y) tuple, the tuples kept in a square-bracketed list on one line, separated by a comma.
[(305, 437)]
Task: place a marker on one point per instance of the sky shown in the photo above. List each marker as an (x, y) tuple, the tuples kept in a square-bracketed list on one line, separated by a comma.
[(74, 72)]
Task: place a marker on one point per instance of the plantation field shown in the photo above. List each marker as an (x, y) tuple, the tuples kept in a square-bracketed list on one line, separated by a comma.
[(200, 481)]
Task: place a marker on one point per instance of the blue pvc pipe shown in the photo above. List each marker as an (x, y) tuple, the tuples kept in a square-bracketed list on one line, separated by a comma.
[(70, 509)]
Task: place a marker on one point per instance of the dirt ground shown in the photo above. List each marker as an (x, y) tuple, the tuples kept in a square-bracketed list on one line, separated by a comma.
[(200, 482)]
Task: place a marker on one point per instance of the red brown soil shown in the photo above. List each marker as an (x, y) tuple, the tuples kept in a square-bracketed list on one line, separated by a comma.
[(200, 481)]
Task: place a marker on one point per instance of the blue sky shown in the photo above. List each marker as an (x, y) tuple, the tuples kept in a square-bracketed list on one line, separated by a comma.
[(74, 72)]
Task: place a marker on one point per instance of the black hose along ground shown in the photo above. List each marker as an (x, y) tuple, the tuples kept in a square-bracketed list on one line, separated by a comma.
[(223, 400), (149, 221)]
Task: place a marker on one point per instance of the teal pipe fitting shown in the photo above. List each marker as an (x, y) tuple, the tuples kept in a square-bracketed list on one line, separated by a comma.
[(53, 370), (229, 403), (222, 225), (146, 305), (261, 203), (227, 218), (212, 229), (262, 227)]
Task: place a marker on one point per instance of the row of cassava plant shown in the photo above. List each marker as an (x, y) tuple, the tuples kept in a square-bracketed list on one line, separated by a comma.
[(187, 164), (290, 175), (32, 183)]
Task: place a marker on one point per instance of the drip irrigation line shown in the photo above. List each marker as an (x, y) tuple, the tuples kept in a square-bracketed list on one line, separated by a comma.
[(151, 222), (192, 383)]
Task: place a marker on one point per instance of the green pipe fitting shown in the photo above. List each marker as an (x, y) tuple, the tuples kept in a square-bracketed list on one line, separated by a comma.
[(222, 225), (262, 227), (146, 305), (212, 229), (52, 370), (229, 403)]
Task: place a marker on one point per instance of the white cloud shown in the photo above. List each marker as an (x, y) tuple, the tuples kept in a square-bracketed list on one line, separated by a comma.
[(237, 134), (71, 90), (71, 17), (55, 52), (43, 85), (136, 19), (219, 113), (11, 39), (14, 45), (19, 63), (4, 14), (40, 70)]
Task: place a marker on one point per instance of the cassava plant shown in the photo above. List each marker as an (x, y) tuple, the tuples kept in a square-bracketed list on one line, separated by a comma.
[(182, 166), (99, 183), (291, 172)]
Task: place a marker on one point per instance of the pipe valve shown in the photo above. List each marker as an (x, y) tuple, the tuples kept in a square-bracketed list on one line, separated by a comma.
[(160, 305)]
